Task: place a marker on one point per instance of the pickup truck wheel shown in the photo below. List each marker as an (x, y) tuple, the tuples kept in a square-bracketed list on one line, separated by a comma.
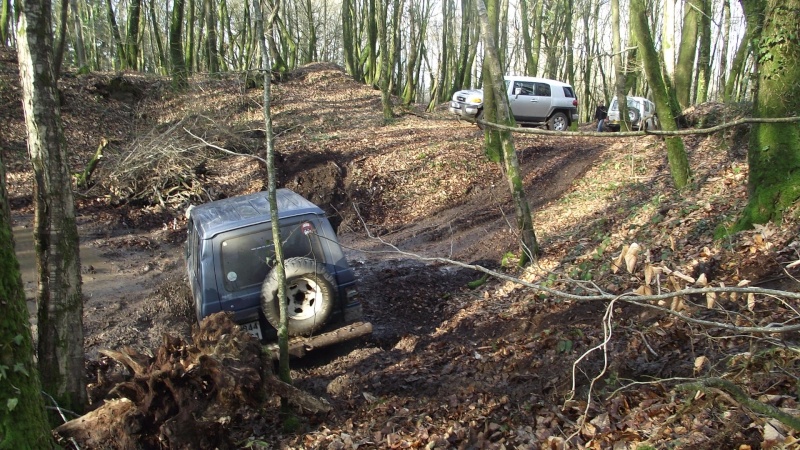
[(310, 294), (558, 122)]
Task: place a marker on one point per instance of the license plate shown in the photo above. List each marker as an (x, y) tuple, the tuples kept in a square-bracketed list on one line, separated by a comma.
[(252, 328)]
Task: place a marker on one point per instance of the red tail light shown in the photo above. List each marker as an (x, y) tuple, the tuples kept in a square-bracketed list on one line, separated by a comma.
[(575, 102)]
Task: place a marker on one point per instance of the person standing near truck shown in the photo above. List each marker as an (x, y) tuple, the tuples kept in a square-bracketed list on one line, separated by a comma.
[(600, 115)]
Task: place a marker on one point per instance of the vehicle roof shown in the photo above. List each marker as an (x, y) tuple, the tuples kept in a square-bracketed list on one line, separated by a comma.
[(629, 98), (535, 79), (236, 212)]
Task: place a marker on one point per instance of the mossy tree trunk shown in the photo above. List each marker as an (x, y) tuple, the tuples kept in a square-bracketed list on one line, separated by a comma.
[(119, 56), (774, 154), (132, 35), (529, 245), (687, 52), (5, 22), (180, 76), (663, 94), (703, 75), (492, 139), (23, 423), (59, 298)]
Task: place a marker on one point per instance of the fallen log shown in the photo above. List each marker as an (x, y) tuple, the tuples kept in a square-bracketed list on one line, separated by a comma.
[(298, 347)]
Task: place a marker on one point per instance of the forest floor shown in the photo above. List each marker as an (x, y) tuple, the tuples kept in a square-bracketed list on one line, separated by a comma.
[(498, 366)]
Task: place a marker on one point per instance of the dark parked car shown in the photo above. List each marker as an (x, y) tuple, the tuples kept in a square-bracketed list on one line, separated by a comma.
[(230, 255)]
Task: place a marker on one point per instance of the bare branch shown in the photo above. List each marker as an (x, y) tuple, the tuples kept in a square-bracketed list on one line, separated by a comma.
[(692, 132)]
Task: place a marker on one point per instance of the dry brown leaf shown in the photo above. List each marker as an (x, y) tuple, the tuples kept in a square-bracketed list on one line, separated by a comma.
[(711, 299), (618, 262), (699, 362), (702, 280), (632, 256), (686, 278), (649, 271), (751, 301), (643, 290)]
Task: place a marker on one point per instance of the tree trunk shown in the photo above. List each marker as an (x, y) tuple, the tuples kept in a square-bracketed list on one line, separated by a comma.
[(739, 76), (59, 299), (119, 56), (132, 35), (80, 44), (774, 154), (529, 247), (440, 91), (383, 80), (211, 38), (620, 91), (394, 59), (668, 38), (687, 53), (568, 42), (160, 58), (704, 54), (723, 62), (180, 78), (537, 36), (227, 39), (61, 39), (284, 371), (527, 42), (349, 40), (191, 61), (460, 81), (632, 68), (23, 423), (370, 71), (408, 89), (311, 53), (663, 94), (5, 22), (492, 138), (278, 62)]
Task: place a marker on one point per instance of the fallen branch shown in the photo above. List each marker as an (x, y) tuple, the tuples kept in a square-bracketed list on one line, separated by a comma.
[(696, 131), (82, 179), (740, 396)]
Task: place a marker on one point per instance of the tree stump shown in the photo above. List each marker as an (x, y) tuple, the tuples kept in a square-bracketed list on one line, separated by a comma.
[(182, 398)]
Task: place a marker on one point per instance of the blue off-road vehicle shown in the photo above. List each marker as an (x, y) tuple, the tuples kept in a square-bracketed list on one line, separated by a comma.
[(230, 255)]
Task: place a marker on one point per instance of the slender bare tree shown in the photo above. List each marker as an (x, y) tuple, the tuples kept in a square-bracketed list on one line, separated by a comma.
[(59, 298)]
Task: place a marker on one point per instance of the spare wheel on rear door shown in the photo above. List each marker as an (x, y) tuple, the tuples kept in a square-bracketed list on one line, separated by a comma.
[(310, 295)]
